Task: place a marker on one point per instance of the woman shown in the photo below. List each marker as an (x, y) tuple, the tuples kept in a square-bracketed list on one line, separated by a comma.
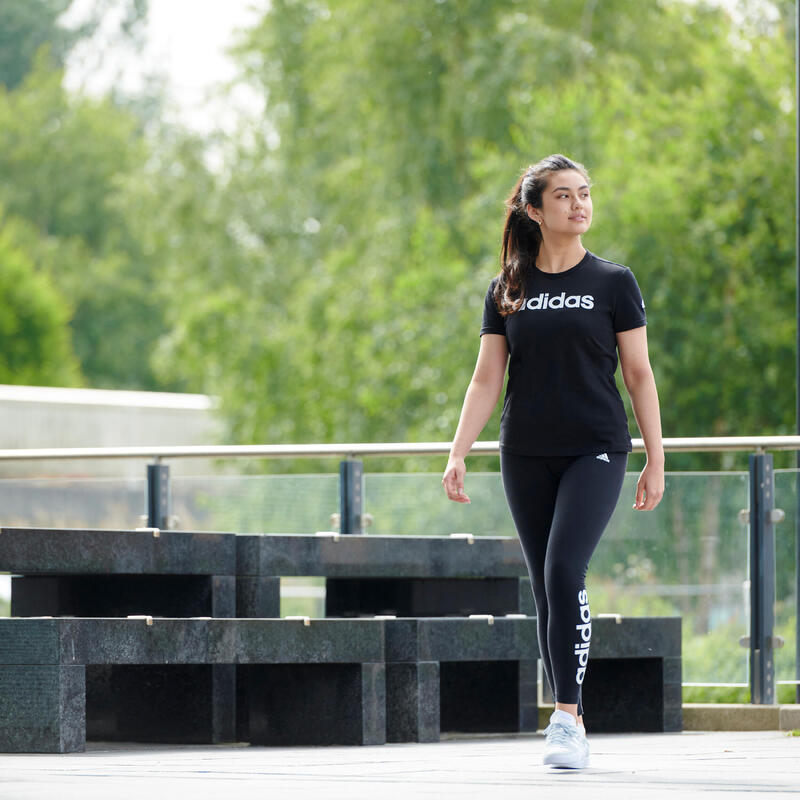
[(557, 315)]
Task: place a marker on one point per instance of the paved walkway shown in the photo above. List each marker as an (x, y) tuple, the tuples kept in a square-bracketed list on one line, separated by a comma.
[(677, 765)]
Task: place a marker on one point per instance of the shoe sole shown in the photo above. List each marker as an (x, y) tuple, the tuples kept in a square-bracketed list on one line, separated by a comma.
[(557, 764)]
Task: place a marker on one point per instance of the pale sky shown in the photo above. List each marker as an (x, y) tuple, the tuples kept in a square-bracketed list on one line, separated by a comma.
[(186, 40)]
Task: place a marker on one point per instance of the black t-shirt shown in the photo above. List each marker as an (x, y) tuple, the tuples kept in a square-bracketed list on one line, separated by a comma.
[(561, 397)]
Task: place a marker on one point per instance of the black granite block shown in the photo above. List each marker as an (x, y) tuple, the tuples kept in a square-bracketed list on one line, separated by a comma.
[(251, 641), (624, 695), (258, 597), (673, 669), (372, 556), (311, 704), (673, 720), (673, 695), (402, 640), (373, 703), (412, 702), (30, 641), (476, 639), (40, 551), (134, 641), (223, 703), (526, 603), (145, 703), (528, 695), (174, 680), (42, 709), (454, 639), (479, 696), (420, 597), (636, 637), (486, 678), (223, 598), (123, 595)]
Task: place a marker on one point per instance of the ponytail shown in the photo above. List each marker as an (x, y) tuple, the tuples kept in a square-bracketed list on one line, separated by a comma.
[(522, 236)]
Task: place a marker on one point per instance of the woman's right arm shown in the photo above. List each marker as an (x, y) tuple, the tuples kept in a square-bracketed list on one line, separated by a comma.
[(482, 395)]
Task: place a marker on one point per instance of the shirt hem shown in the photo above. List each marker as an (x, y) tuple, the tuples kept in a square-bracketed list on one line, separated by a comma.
[(578, 450)]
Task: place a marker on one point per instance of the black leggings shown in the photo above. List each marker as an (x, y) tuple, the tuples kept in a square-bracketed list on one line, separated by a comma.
[(560, 506)]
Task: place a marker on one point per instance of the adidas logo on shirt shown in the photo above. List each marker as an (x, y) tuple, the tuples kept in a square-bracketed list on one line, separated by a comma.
[(543, 301), (604, 457)]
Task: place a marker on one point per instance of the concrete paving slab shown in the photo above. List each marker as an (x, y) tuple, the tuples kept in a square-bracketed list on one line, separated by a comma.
[(751, 764)]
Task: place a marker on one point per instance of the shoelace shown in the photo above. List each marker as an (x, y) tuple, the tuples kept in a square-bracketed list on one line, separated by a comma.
[(558, 734)]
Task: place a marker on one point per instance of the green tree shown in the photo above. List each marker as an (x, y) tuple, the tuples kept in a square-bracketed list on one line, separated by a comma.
[(363, 212), (66, 162), (35, 346), (28, 25)]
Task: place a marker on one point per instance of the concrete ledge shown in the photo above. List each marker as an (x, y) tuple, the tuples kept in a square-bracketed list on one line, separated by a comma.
[(739, 717), (789, 717)]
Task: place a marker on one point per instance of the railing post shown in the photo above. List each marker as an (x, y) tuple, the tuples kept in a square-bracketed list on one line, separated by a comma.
[(762, 579), (351, 496), (158, 496), (797, 581)]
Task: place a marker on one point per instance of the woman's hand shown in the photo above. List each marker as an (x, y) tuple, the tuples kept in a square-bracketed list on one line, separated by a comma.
[(453, 480), (649, 487)]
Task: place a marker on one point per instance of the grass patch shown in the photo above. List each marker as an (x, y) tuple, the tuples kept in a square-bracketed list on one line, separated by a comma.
[(731, 694)]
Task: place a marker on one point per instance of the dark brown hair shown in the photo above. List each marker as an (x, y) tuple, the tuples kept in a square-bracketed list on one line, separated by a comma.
[(521, 235)]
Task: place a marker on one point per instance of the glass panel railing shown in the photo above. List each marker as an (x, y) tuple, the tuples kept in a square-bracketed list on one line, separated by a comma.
[(256, 503), (786, 565), (688, 557), (72, 502), (416, 503)]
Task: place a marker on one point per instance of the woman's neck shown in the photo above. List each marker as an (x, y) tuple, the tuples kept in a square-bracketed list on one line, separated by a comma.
[(558, 256)]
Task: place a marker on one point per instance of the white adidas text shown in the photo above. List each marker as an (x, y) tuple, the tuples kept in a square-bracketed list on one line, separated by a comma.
[(543, 300), (585, 628)]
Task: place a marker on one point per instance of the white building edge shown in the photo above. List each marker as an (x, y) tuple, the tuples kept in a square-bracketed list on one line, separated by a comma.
[(52, 417)]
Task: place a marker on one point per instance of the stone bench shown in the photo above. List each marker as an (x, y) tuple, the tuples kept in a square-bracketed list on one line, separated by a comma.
[(114, 573), (90, 573), (633, 680), (407, 576), (473, 676), (466, 675), (300, 681)]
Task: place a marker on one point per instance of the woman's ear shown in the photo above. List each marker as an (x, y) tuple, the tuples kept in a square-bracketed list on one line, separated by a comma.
[(532, 212)]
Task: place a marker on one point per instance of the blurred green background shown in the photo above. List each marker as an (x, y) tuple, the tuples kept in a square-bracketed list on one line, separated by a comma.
[(321, 268)]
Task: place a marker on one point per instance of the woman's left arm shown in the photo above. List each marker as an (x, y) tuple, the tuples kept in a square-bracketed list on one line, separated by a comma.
[(641, 385)]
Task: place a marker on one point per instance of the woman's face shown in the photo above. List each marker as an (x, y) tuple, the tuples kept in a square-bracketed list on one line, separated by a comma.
[(566, 204)]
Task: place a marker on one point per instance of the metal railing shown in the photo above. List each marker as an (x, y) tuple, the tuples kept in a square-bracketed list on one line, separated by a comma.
[(761, 516)]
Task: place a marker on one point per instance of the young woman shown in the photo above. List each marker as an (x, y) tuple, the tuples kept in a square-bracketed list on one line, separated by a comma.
[(557, 315)]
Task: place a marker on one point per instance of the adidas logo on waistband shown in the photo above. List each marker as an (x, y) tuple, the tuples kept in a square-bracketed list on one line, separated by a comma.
[(604, 457)]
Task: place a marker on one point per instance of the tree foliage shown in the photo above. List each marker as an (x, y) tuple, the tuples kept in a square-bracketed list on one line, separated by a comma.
[(363, 212), (35, 347), (325, 278)]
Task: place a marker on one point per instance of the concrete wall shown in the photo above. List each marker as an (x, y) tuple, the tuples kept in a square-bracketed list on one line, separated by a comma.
[(45, 417)]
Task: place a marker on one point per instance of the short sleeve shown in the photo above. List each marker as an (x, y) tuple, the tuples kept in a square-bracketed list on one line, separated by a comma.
[(493, 321), (629, 306)]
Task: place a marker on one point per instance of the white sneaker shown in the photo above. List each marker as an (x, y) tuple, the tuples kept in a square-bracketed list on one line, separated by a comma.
[(566, 745)]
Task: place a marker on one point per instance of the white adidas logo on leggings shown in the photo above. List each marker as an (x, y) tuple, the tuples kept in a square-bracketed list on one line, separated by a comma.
[(604, 457), (581, 648)]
